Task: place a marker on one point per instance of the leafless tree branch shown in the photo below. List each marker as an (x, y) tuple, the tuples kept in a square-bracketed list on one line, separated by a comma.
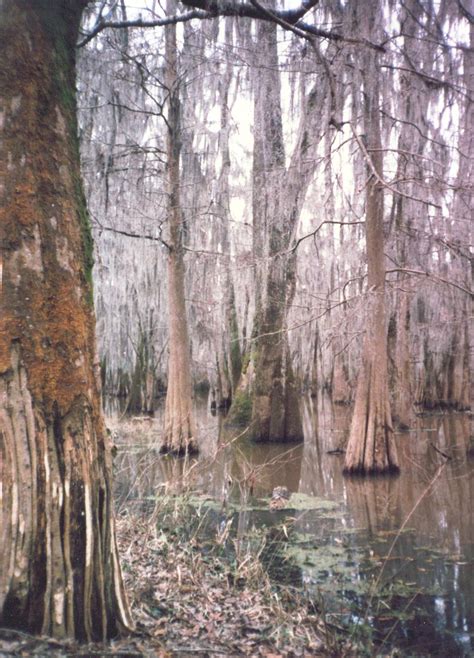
[(139, 22), (130, 234), (383, 182), (289, 19), (430, 275)]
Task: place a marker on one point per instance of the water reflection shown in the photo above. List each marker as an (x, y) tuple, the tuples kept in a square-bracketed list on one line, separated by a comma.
[(412, 535)]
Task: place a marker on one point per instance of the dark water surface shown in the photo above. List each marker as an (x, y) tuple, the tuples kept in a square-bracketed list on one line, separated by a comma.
[(392, 558)]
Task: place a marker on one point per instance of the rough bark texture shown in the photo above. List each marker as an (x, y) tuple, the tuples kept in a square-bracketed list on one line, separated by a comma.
[(59, 568), (414, 105), (403, 398), (179, 433), (278, 196), (227, 328), (371, 447), (464, 203)]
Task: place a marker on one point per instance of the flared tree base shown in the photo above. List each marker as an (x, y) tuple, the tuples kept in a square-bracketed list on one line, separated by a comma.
[(180, 451), (358, 471), (371, 449)]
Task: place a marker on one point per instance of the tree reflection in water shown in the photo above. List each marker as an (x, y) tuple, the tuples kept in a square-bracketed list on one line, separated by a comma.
[(430, 561)]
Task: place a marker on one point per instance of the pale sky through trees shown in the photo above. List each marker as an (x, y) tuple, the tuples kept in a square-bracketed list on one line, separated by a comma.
[(249, 245), (345, 192)]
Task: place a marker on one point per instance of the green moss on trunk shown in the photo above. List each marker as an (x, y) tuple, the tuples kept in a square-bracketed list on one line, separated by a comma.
[(61, 28), (241, 409)]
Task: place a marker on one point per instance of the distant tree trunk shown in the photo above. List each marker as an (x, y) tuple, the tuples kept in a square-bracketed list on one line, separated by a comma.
[(59, 567), (313, 365), (275, 409), (275, 405), (414, 104), (278, 195), (463, 205), (141, 397), (179, 432), (235, 354), (371, 447), (400, 344), (228, 321), (340, 390), (402, 386)]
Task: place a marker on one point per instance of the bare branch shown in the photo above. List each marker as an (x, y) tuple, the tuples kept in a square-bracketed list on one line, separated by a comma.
[(383, 182), (272, 16), (129, 234), (430, 275), (313, 233), (139, 22), (250, 10), (289, 19)]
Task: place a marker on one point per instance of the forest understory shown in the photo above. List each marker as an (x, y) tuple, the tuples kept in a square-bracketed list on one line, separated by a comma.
[(189, 598), (213, 568), (238, 234), (291, 219)]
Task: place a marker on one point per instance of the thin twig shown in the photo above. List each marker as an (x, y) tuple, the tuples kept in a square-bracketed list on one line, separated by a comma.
[(383, 182), (443, 454)]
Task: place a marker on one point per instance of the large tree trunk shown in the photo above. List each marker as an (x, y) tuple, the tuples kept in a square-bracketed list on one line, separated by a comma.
[(402, 396), (225, 318), (463, 205), (179, 433), (278, 196), (371, 447), (414, 105), (275, 405), (59, 568)]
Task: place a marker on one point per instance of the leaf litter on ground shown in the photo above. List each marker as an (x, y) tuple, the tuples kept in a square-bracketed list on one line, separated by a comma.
[(201, 602)]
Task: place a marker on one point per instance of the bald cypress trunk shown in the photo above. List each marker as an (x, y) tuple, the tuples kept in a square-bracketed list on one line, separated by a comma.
[(371, 447), (463, 205), (278, 195), (59, 568), (179, 433)]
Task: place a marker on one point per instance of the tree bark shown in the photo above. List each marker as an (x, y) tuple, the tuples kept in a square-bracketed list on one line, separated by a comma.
[(275, 411), (371, 448), (227, 328), (463, 206), (179, 433), (402, 393), (278, 196), (59, 567)]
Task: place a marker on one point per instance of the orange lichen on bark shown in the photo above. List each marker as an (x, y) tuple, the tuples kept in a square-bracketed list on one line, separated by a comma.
[(62, 575), (45, 308)]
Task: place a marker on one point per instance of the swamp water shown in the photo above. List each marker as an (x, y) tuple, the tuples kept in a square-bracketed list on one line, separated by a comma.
[(389, 559)]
